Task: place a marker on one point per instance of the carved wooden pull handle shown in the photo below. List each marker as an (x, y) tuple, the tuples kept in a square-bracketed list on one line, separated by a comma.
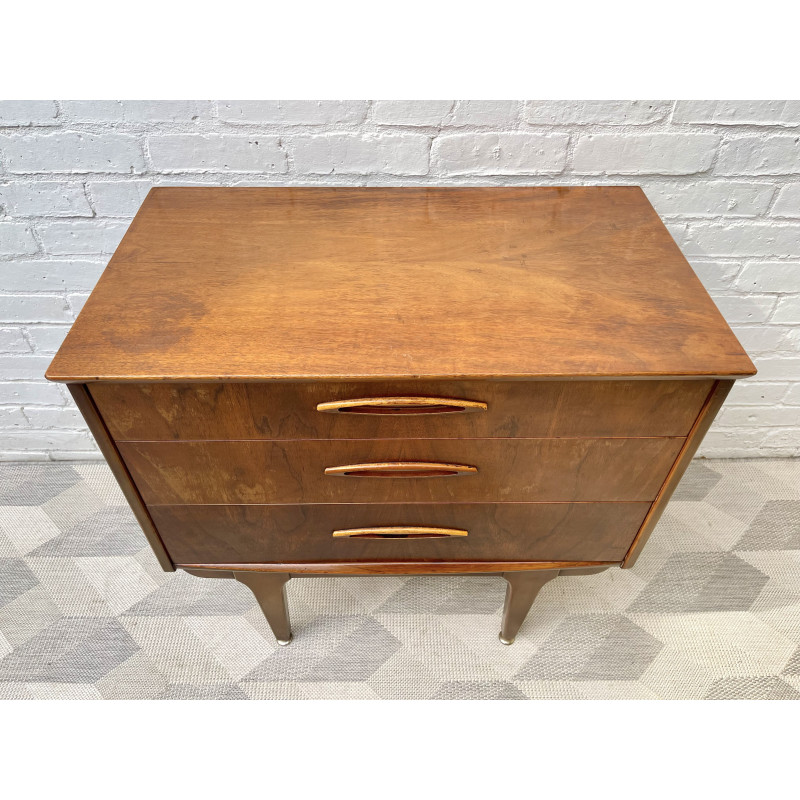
[(400, 532), (401, 469), (401, 405)]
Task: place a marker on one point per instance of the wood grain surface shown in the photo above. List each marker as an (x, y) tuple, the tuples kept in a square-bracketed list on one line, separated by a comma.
[(525, 532), (165, 411), (108, 448), (364, 568), (510, 470), (314, 283), (692, 442)]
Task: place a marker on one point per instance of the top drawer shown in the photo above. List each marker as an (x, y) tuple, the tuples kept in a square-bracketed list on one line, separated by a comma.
[(400, 409)]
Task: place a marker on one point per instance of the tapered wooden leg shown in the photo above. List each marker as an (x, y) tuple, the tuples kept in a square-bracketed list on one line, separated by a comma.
[(270, 591), (520, 593)]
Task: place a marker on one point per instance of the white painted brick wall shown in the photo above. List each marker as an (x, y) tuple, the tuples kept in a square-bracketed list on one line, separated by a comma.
[(20, 113), (788, 202), (756, 155), (500, 153), (413, 113), (595, 112), (293, 112), (649, 153), (724, 175), (25, 153), (199, 153), (16, 238), (361, 154)]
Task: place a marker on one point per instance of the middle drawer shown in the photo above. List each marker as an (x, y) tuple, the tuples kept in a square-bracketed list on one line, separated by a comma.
[(400, 471)]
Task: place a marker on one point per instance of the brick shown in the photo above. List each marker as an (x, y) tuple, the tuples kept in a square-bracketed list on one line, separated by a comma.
[(23, 368), (788, 311), (293, 112), (196, 153), (499, 153), (72, 152), (16, 239), (752, 392), (788, 201), (716, 274), (24, 393), (737, 112), (738, 309), (47, 338), (742, 239), (786, 441), (732, 443), (92, 110), (654, 153), (49, 276), (45, 198), (77, 302), (59, 417), (117, 198), (770, 276), (27, 455), (792, 341), (27, 112), (779, 369), (152, 111), (595, 112), (765, 338), (12, 340), (494, 113), (211, 179), (757, 417), (87, 456), (678, 230), (793, 396), (392, 154), (415, 113), (81, 237), (12, 419), (34, 308), (754, 155), (45, 440), (711, 199)]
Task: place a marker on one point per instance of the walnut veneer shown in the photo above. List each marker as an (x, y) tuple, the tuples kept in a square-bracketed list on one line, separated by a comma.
[(398, 381)]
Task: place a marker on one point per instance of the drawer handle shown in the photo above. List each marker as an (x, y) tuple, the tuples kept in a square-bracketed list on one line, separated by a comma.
[(401, 405), (401, 469), (400, 532)]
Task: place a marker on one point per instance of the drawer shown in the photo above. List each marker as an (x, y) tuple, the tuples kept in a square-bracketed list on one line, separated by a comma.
[(408, 471), (294, 534), (400, 409)]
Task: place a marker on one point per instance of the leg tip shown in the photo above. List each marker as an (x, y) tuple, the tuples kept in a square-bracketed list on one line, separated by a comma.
[(284, 642), (505, 641)]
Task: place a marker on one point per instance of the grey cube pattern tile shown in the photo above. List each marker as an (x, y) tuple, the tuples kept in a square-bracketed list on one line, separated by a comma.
[(592, 647), (16, 579), (711, 610), (778, 522), (691, 582), (22, 484)]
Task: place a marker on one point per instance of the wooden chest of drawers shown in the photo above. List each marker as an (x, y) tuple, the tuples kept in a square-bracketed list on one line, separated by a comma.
[(373, 381)]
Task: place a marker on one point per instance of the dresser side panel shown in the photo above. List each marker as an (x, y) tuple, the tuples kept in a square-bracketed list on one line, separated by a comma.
[(120, 472), (704, 420)]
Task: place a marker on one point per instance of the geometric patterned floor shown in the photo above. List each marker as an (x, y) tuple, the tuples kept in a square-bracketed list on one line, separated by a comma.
[(711, 610)]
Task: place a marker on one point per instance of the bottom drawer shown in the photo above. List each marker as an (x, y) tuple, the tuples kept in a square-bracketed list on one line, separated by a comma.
[(293, 534)]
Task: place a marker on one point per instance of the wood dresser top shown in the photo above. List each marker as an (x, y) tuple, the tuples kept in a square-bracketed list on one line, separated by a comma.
[(327, 283)]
